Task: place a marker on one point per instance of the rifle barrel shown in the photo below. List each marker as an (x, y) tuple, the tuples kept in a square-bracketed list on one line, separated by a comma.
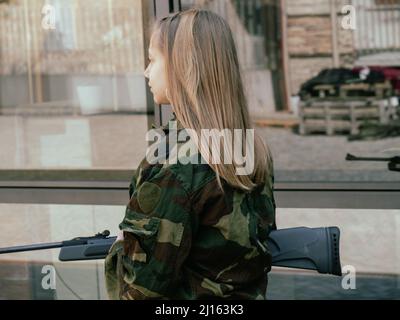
[(395, 159), (31, 247), (355, 158), (371, 159)]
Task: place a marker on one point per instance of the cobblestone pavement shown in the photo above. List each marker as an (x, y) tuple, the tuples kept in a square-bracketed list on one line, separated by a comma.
[(118, 141), (322, 158)]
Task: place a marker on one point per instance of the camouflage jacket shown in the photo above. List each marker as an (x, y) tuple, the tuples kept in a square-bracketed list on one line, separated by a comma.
[(192, 240)]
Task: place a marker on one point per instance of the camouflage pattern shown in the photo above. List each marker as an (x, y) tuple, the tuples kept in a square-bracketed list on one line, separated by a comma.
[(191, 241)]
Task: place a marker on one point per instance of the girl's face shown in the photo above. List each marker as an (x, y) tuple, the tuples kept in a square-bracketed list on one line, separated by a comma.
[(155, 72)]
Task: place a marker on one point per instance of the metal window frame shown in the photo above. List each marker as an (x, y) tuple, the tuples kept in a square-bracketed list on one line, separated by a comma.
[(98, 188)]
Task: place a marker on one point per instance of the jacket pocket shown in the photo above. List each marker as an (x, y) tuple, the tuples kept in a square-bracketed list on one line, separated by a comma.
[(144, 228)]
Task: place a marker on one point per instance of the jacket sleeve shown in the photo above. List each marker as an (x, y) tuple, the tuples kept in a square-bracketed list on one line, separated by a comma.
[(158, 230)]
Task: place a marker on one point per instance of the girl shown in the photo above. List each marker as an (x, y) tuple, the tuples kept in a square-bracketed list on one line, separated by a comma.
[(196, 230)]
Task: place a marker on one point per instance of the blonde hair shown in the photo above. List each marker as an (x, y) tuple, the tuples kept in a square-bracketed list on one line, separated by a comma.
[(205, 85)]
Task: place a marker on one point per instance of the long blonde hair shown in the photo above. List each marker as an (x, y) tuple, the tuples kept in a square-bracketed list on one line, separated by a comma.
[(205, 85)]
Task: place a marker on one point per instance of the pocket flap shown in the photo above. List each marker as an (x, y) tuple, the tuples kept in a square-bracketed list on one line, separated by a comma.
[(139, 224)]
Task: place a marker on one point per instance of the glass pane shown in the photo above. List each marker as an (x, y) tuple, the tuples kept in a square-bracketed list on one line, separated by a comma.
[(26, 275), (322, 80), (71, 84), (369, 245)]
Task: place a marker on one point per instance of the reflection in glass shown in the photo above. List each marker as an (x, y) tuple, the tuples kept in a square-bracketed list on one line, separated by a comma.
[(23, 274), (320, 85), (369, 243), (72, 84)]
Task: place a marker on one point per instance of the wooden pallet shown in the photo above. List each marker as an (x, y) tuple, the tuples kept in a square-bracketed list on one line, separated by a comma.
[(330, 117), (325, 90), (283, 123), (378, 90)]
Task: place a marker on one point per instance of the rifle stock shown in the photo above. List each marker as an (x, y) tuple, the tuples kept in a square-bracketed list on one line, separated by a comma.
[(306, 248)]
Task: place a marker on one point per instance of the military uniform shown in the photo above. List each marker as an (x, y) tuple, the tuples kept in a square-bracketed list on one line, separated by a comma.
[(191, 240)]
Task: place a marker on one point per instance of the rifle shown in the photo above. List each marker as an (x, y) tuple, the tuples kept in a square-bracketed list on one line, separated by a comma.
[(393, 165), (301, 248)]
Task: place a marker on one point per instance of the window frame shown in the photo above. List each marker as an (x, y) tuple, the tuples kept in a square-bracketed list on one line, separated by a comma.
[(110, 187)]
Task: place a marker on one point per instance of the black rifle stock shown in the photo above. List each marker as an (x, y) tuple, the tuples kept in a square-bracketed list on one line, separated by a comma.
[(301, 248)]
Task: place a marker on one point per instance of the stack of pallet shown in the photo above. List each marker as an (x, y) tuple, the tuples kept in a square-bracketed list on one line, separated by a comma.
[(331, 116)]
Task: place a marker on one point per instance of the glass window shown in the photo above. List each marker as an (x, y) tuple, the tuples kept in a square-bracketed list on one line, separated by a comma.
[(369, 246), (26, 275), (72, 90), (322, 80)]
